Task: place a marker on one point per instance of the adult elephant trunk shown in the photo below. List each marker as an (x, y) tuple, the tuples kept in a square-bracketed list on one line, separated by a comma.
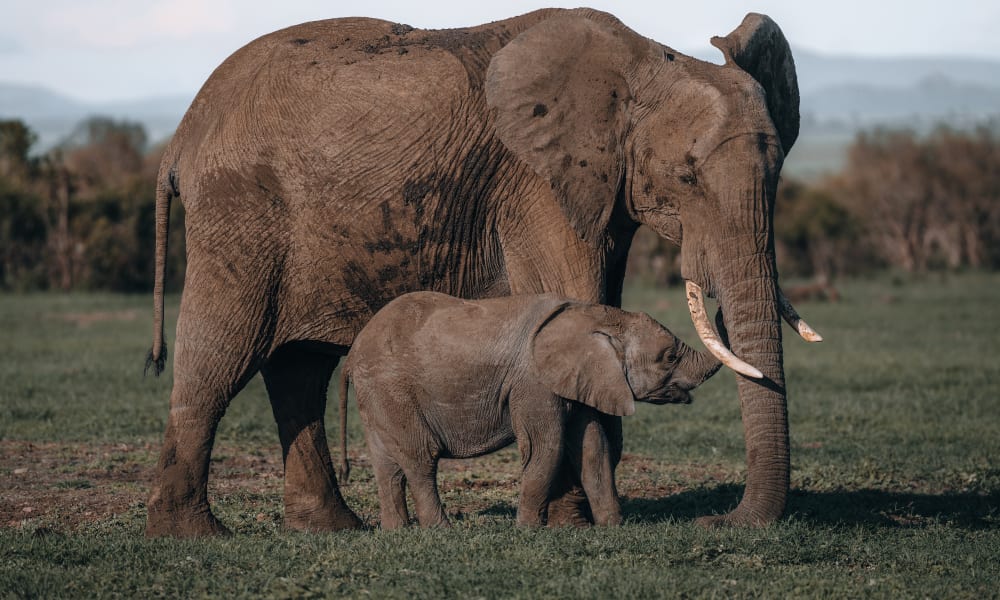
[(744, 273), (741, 273), (749, 303)]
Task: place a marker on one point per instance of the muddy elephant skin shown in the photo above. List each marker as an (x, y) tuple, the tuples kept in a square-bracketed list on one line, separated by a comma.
[(330, 167)]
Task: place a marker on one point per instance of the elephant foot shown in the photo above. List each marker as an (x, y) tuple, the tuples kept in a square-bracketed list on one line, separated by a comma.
[(440, 524), (324, 518), (530, 518), (608, 521), (736, 518), (187, 522), (713, 521), (571, 510), (568, 520)]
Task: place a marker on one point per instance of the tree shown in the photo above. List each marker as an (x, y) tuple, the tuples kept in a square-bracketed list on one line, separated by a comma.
[(968, 182), (16, 141), (104, 153), (23, 231), (815, 234), (928, 202), (23, 237)]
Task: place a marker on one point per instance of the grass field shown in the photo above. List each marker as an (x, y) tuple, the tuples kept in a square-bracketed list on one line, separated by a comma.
[(895, 429)]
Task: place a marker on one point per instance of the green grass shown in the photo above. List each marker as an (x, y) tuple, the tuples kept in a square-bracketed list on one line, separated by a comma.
[(637, 560), (895, 428)]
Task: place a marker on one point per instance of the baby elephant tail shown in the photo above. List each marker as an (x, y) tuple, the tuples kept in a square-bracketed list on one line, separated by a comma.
[(345, 465)]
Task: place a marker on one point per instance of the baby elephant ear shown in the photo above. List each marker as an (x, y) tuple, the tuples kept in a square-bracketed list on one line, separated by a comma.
[(574, 358)]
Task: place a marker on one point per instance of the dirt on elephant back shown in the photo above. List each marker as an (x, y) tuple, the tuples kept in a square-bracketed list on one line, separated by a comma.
[(66, 487)]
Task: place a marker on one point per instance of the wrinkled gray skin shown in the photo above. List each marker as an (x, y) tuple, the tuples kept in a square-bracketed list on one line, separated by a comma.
[(328, 168), (439, 377)]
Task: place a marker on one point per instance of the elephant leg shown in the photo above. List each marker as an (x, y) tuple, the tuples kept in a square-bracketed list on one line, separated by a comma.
[(540, 439), (422, 478), (178, 502), (569, 506), (541, 467), (297, 381), (590, 451), (611, 426), (391, 484), (210, 367)]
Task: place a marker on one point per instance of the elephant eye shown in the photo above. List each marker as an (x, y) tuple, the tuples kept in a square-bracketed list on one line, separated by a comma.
[(687, 173), (688, 177)]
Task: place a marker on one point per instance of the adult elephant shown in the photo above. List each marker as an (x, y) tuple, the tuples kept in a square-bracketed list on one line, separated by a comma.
[(329, 167)]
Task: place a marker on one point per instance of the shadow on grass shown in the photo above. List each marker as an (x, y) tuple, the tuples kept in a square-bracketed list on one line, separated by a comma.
[(500, 509), (861, 507)]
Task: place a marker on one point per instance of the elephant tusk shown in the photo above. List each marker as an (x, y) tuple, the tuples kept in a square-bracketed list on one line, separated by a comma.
[(696, 304), (788, 312)]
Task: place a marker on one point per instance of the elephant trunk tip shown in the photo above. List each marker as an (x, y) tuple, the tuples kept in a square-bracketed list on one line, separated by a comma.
[(157, 360), (744, 516)]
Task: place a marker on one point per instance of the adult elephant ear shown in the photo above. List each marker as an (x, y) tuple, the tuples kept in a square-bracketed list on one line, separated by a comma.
[(578, 359), (559, 97), (758, 47)]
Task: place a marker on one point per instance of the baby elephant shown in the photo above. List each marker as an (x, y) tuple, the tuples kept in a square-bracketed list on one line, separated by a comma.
[(439, 377)]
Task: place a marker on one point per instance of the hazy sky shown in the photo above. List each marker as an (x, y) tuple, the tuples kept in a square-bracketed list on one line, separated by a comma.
[(118, 49)]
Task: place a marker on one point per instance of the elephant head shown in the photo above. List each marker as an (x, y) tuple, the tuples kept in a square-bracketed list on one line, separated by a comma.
[(607, 358), (621, 125)]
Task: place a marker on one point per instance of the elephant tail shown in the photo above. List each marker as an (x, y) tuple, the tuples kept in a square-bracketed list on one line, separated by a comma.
[(166, 189), (345, 464)]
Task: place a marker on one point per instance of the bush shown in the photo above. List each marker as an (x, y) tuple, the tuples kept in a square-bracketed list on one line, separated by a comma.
[(927, 202), (82, 216), (815, 235), (23, 236)]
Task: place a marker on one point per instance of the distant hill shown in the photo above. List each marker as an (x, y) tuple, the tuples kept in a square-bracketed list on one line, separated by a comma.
[(818, 71), (917, 92), (935, 99), (53, 115), (844, 94), (34, 102)]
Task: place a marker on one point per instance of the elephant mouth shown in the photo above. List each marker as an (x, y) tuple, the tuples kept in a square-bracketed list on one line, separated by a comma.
[(672, 394)]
